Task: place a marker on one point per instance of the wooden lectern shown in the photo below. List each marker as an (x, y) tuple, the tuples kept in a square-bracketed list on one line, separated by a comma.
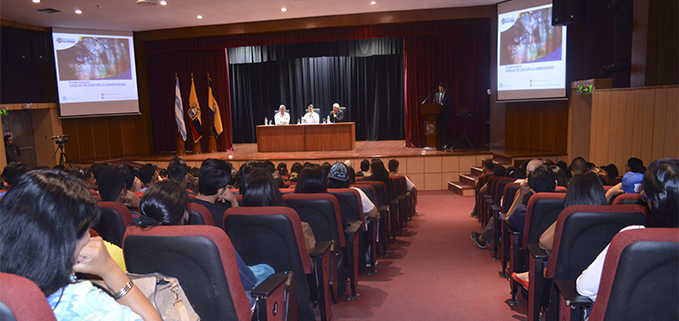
[(431, 126)]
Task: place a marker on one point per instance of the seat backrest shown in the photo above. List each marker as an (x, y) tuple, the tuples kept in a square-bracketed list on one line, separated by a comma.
[(201, 257), (381, 196), (24, 299), (483, 179), (629, 198), (350, 204), (273, 235), (583, 231), (368, 190), (508, 196), (499, 188), (322, 212), (115, 218), (639, 280), (200, 215), (543, 210)]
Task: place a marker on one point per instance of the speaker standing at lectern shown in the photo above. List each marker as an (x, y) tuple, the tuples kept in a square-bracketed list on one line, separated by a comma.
[(282, 117), (336, 115), (446, 99)]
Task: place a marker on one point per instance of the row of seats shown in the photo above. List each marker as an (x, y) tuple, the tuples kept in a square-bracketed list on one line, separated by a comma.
[(343, 235), (581, 233)]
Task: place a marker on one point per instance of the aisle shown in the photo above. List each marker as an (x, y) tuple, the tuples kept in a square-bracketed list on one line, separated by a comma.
[(435, 272)]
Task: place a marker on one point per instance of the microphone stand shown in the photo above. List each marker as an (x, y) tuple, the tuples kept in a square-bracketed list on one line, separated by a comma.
[(425, 100)]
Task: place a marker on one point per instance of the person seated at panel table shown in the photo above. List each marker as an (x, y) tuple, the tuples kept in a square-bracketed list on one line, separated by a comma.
[(282, 117), (311, 117), (336, 115)]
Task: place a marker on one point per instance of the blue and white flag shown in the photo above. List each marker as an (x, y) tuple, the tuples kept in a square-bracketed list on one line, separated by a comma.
[(179, 110)]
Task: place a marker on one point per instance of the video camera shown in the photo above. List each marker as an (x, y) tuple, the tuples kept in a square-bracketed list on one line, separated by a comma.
[(61, 139)]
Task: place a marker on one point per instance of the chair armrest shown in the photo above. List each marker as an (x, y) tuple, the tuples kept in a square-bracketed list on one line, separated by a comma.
[(496, 208), (353, 227), (490, 200), (568, 291), (384, 208), (486, 196), (537, 252), (320, 248), (268, 286)]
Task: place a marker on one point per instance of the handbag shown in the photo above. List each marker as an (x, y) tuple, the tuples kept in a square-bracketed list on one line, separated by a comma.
[(164, 293)]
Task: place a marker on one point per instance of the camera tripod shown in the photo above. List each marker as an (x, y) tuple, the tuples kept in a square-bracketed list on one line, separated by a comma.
[(62, 154)]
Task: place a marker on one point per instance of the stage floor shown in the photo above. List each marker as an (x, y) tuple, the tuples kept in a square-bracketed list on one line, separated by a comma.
[(428, 169)]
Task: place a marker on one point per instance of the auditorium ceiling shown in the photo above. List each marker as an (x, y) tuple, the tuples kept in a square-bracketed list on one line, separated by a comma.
[(126, 15)]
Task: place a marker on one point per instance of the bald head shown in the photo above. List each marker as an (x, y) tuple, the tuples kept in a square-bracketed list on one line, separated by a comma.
[(533, 164)]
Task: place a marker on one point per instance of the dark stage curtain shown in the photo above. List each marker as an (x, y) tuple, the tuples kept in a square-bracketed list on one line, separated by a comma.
[(161, 74), (371, 87), (453, 51)]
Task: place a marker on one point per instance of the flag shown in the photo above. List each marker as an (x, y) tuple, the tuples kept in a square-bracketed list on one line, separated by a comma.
[(179, 110), (213, 110), (194, 114)]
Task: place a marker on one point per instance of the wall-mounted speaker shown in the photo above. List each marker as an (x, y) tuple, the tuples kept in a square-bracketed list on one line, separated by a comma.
[(565, 12)]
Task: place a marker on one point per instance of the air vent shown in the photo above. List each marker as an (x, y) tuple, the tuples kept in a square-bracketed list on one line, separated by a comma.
[(49, 10)]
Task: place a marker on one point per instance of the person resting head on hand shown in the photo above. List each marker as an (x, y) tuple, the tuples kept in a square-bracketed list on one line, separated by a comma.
[(45, 237)]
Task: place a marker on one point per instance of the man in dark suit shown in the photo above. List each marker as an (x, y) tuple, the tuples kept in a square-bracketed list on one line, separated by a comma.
[(336, 115), (446, 100)]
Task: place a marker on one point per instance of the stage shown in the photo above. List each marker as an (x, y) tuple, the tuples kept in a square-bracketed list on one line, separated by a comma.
[(428, 169)]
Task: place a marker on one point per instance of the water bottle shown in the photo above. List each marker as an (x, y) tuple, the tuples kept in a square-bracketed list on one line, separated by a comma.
[(266, 121), (328, 119)]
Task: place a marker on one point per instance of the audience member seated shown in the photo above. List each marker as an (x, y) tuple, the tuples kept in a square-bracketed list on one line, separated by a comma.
[(84, 176), (49, 241), (132, 182), (177, 171), (12, 173), (282, 169), (339, 178), (311, 180), (631, 183), (167, 203), (377, 172), (661, 192), (365, 169), (148, 175), (393, 170), (583, 189), (539, 180), (112, 189), (213, 190), (635, 165)]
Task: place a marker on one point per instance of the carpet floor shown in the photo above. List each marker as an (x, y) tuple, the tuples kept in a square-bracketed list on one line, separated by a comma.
[(435, 272)]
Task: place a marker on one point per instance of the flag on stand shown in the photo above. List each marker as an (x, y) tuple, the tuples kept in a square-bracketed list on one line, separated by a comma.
[(194, 114), (213, 108), (179, 110)]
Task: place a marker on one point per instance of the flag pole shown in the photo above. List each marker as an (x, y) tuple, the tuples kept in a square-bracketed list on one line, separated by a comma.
[(212, 141), (181, 147)]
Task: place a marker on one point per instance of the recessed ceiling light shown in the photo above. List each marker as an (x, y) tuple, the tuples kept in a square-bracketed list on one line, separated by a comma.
[(373, 2), (78, 11), (284, 9), (199, 17), (163, 3), (36, 1)]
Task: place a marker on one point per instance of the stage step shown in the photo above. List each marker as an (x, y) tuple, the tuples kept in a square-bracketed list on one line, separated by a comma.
[(476, 171), (461, 188), (469, 179)]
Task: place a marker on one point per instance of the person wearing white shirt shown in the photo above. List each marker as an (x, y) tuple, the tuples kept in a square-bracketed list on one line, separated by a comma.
[(338, 177), (311, 117), (282, 117)]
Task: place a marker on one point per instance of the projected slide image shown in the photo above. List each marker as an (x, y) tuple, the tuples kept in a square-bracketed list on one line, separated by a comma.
[(93, 58), (531, 38)]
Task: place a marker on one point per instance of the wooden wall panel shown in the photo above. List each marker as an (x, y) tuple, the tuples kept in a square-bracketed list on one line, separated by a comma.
[(537, 126), (105, 138), (638, 122)]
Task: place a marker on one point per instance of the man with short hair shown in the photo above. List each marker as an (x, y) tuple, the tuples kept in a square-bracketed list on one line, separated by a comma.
[(12, 152), (365, 168), (213, 190), (311, 117), (393, 170), (112, 189), (445, 99), (282, 117), (336, 115)]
